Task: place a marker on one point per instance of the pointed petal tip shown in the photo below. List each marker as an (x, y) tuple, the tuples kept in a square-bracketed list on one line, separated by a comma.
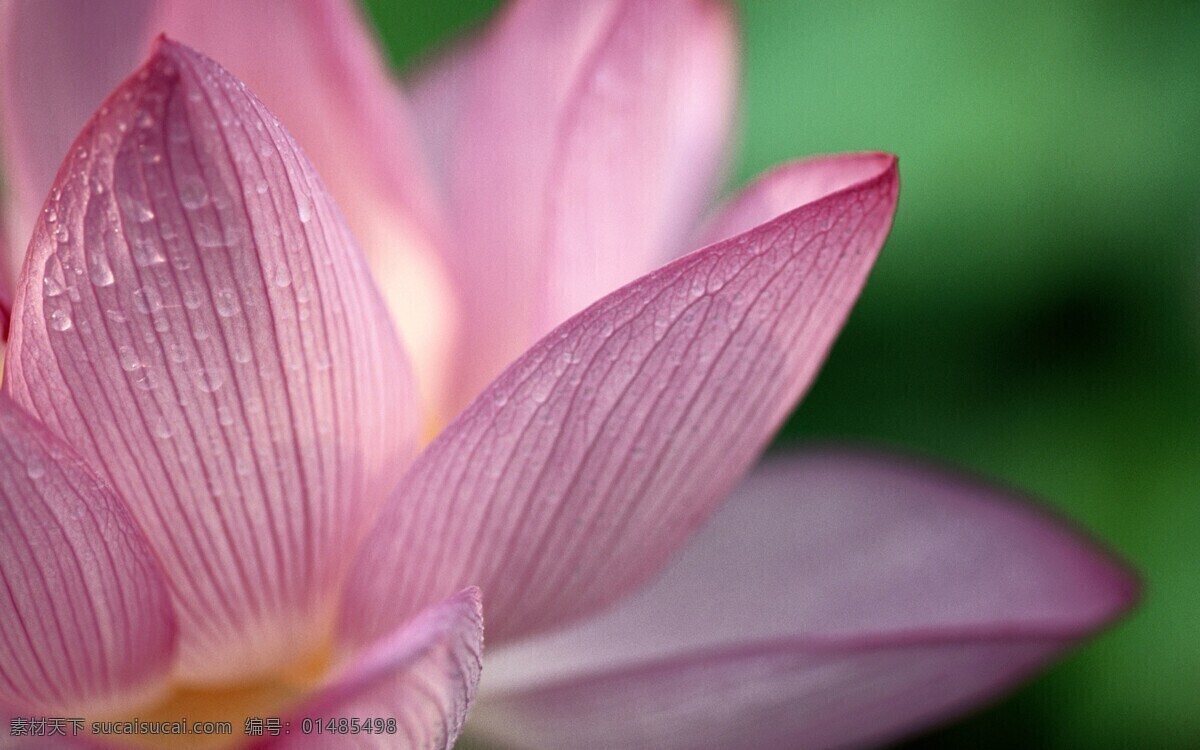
[(166, 259)]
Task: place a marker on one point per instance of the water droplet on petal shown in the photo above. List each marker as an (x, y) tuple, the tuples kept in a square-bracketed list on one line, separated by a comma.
[(193, 193), (128, 358), (162, 429), (34, 467), (98, 269), (226, 303), (146, 252), (146, 300), (209, 379), (60, 320)]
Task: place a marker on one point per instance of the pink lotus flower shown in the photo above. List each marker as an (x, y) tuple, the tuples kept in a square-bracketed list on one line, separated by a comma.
[(215, 500)]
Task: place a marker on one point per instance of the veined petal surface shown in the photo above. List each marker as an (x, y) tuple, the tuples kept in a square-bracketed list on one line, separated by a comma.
[(312, 62), (588, 136), (86, 622), (836, 600), (315, 65), (195, 319), (423, 677), (574, 476)]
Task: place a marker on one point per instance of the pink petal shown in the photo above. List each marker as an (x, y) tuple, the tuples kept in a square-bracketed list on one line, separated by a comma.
[(85, 617), (196, 321), (787, 186), (57, 63), (836, 600), (423, 676), (590, 136), (315, 66), (574, 476), (439, 94)]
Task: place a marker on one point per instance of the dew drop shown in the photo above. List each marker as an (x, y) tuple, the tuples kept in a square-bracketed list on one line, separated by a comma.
[(98, 269), (193, 193), (146, 380), (192, 299), (51, 287), (146, 300), (116, 316), (209, 379), (34, 467), (162, 429), (282, 276), (162, 325), (226, 303), (62, 235), (139, 212), (241, 353), (146, 252), (128, 358), (304, 209), (207, 235), (224, 415), (60, 320), (177, 353)]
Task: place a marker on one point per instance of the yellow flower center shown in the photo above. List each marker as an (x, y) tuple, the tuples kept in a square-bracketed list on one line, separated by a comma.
[(208, 717)]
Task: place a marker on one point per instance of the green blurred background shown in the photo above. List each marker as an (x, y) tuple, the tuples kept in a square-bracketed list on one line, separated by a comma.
[(1034, 317)]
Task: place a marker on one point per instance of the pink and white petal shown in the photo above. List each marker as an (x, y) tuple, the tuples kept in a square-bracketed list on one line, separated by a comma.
[(639, 149), (574, 476), (86, 622), (195, 319), (439, 92), (836, 600), (316, 67), (57, 63), (589, 139), (423, 677), (785, 187)]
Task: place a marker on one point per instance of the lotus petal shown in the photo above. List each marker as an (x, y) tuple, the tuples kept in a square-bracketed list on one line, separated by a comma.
[(837, 600), (86, 622), (195, 319), (573, 477), (585, 144), (422, 678)]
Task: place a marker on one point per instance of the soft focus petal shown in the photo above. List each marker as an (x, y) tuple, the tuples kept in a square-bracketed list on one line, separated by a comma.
[(85, 616), (590, 136), (314, 64), (58, 61), (195, 319), (423, 676), (574, 475), (835, 601), (787, 186), (439, 93)]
